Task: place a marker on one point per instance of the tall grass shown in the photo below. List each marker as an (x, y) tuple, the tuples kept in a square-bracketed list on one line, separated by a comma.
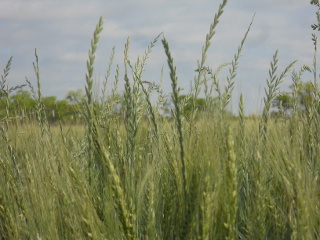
[(133, 173)]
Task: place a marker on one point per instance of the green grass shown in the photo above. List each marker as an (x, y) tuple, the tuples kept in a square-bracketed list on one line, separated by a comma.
[(140, 175)]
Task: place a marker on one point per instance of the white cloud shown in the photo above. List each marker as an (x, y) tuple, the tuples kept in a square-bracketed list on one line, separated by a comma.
[(74, 56), (22, 10), (115, 30)]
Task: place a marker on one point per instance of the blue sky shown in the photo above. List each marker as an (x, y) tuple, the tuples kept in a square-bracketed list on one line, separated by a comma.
[(61, 32)]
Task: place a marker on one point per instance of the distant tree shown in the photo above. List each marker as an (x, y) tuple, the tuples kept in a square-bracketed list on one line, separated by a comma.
[(306, 95), (20, 103), (68, 112), (50, 107), (75, 96), (201, 104), (61, 109), (187, 103), (283, 102), (22, 98)]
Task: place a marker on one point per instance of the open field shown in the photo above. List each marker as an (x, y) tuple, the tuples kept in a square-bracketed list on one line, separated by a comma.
[(54, 185), (149, 171)]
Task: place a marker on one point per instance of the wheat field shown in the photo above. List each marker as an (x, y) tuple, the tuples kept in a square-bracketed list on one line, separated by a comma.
[(143, 174)]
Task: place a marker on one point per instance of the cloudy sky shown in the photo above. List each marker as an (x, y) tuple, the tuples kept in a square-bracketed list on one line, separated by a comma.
[(61, 32)]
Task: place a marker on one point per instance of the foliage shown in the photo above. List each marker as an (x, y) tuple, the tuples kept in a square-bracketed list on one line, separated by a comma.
[(127, 172), (22, 104), (201, 104), (75, 96), (284, 100)]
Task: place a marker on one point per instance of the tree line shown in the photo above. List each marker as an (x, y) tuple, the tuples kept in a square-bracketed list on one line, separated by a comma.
[(23, 105), (307, 96), (69, 110)]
